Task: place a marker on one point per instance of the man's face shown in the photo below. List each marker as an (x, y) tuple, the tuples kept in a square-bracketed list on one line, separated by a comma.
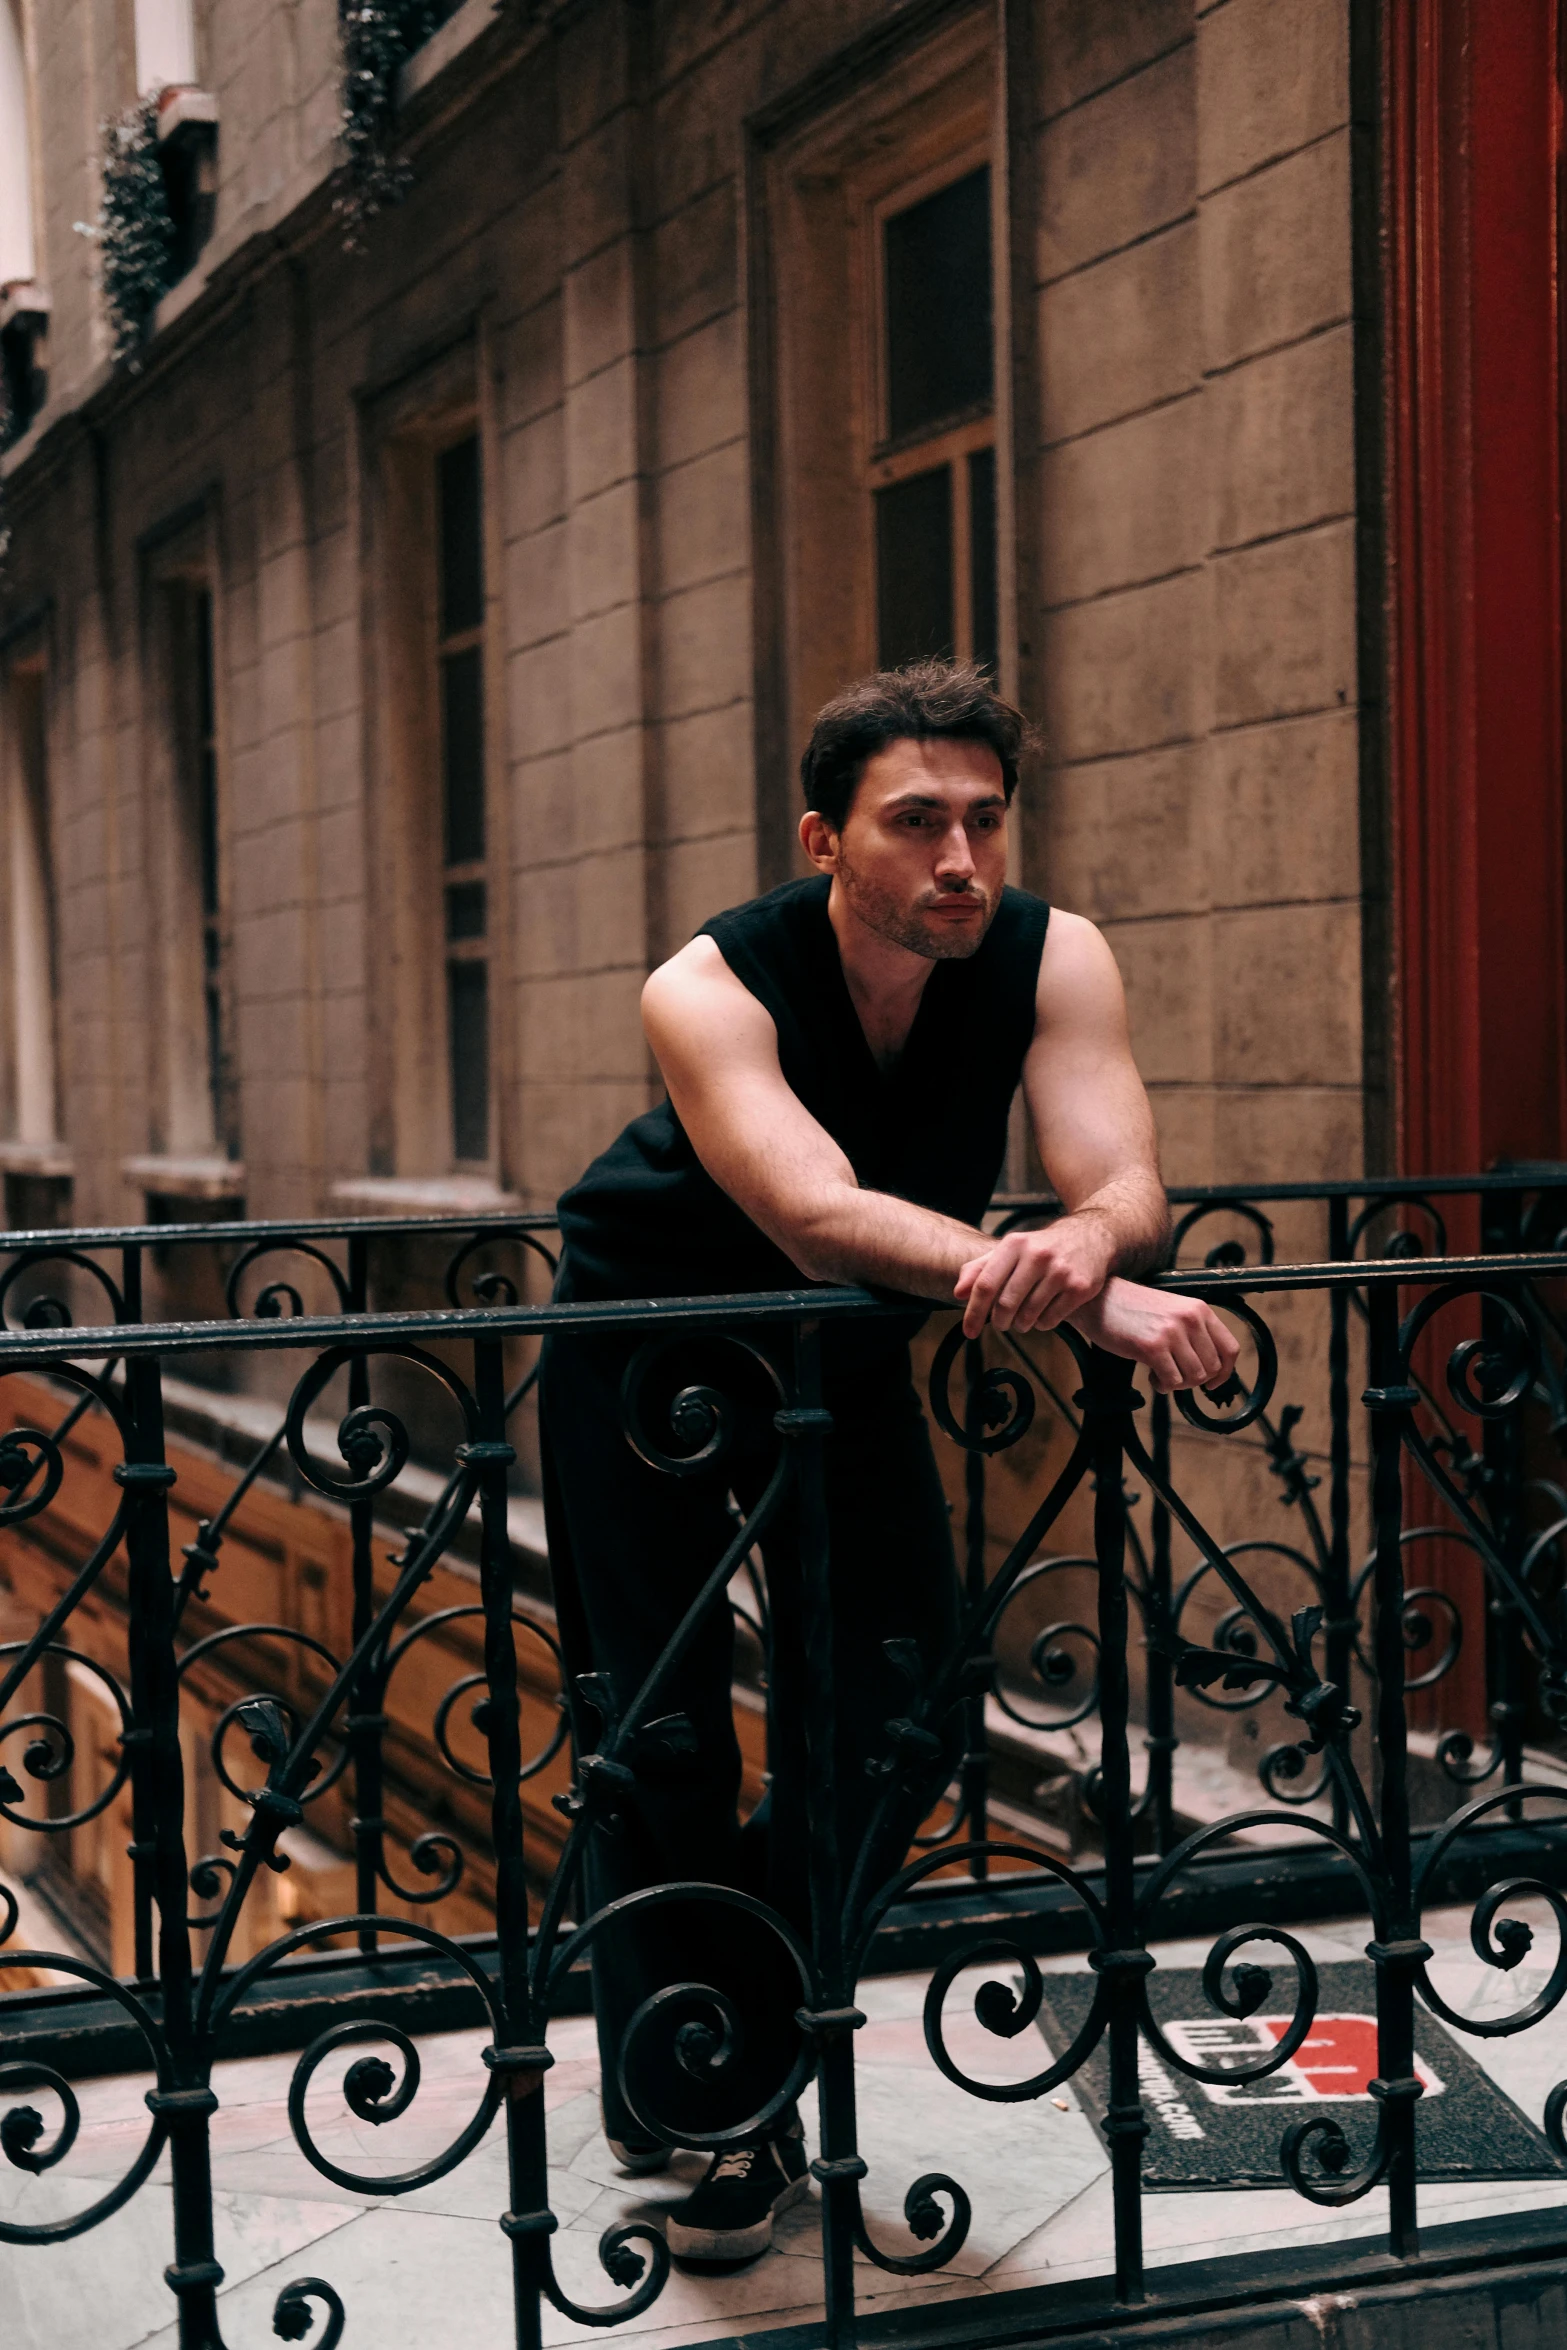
[(922, 855)]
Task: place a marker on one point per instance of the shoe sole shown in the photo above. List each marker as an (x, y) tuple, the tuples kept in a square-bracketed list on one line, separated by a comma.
[(733, 2243)]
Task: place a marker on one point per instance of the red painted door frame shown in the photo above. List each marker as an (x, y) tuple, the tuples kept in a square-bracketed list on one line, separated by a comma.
[(1472, 141), (1472, 150)]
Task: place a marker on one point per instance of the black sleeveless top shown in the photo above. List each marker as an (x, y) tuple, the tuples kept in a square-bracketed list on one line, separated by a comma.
[(647, 1220)]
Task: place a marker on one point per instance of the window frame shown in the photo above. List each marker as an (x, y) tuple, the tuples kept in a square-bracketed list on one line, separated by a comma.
[(825, 165), (468, 871), (180, 564), (401, 426), (886, 459), (25, 807)]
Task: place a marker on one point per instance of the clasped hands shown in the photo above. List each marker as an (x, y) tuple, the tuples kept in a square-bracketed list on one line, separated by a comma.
[(1035, 1280)]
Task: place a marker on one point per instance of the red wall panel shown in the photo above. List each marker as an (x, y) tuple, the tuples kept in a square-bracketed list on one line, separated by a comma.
[(1473, 148)]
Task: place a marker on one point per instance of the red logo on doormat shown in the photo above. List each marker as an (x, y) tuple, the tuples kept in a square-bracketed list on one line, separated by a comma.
[(1336, 2060)]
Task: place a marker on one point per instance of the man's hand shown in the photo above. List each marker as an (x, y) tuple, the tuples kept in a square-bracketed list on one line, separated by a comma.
[(1180, 1341), (1033, 1280)]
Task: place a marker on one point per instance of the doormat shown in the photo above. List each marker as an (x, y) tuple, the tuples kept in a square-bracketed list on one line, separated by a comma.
[(1228, 2134)]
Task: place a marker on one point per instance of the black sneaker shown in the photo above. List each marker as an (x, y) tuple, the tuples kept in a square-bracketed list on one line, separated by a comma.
[(730, 2216), (639, 2157)]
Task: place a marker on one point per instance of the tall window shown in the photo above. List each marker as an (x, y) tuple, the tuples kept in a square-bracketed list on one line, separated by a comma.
[(33, 1106), (203, 756), (203, 1110), (932, 465), (460, 663)]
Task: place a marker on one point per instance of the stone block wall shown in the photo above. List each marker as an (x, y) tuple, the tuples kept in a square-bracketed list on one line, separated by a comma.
[(1197, 500), (577, 239)]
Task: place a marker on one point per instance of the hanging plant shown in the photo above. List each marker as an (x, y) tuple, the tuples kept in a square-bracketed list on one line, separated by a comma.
[(377, 36), (134, 230)]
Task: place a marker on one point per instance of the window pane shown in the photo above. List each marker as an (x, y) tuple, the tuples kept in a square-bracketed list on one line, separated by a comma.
[(982, 556), (468, 1006), (462, 754), (465, 910), (204, 747), (938, 306), (914, 568), (462, 547)]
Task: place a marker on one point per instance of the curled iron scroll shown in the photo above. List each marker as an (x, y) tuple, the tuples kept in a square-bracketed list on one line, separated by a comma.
[(1256, 1398), (50, 1753), (492, 1288), (53, 1313), (280, 1300), (370, 2088), (706, 1422), (1506, 1366), (1002, 1401), (372, 1439), (25, 2141)]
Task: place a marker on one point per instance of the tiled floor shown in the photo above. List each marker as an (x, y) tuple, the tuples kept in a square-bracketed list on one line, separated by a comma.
[(431, 2268)]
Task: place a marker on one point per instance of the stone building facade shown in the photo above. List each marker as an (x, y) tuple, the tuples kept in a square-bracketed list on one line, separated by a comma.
[(406, 647)]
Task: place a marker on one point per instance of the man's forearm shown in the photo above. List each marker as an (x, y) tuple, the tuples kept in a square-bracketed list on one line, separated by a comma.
[(871, 1236), (1135, 1216)]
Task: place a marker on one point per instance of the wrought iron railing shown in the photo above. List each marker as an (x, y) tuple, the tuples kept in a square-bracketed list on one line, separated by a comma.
[(1040, 1692), (1462, 1389)]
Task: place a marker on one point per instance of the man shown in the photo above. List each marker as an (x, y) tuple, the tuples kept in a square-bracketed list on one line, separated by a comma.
[(841, 1057)]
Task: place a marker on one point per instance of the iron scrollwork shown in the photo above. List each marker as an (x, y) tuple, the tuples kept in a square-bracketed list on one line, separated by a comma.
[(1203, 1619)]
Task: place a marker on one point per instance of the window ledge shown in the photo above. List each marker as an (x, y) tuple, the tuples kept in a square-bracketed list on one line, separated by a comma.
[(445, 43), (24, 302), (423, 1195), (186, 1178), (179, 109), (37, 1158)]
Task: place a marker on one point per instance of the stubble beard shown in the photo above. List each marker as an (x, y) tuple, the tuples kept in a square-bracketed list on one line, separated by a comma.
[(910, 926)]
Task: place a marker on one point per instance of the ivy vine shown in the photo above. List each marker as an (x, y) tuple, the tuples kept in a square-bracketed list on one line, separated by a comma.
[(134, 230), (377, 37)]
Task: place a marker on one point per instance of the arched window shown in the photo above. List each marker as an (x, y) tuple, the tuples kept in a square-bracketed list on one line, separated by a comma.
[(18, 257)]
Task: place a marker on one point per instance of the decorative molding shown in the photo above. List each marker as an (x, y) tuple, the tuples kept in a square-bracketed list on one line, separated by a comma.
[(422, 1195), (56, 1160), (173, 1176)]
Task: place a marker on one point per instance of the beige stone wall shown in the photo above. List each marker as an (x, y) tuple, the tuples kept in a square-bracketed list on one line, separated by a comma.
[(577, 241), (1196, 501)]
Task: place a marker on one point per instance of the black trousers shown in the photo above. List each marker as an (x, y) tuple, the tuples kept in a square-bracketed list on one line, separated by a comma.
[(630, 1547)]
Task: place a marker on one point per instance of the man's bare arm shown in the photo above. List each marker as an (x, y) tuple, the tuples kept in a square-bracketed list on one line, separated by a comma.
[(1096, 1137), (718, 1050), (1095, 1134)]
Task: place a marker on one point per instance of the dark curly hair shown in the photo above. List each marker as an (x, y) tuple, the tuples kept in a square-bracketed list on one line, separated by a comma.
[(923, 702)]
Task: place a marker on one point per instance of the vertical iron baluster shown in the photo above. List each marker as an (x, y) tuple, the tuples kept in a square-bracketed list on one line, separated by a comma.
[(366, 1722), (1108, 1401), (1502, 1445), (1161, 1740), (142, 1846), (519, 2057), (184, 2102), (839, 2167), (1400, 1957), (1340, 1630), (130, 1281), (974, 1782)]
